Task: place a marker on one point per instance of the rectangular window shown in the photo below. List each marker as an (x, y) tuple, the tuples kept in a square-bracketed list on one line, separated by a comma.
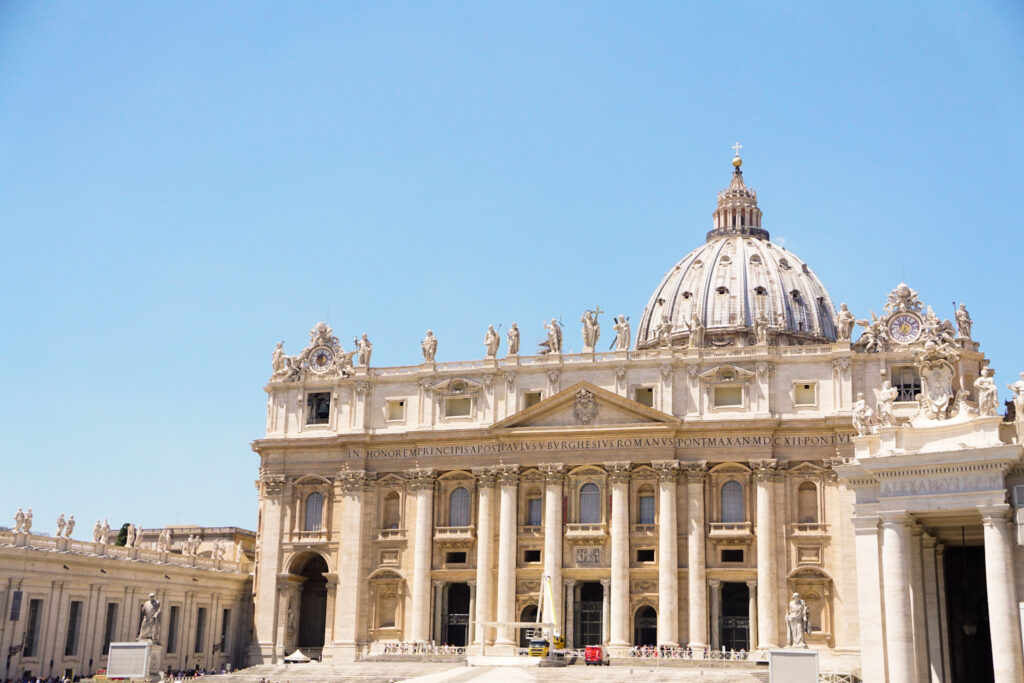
[(396, 410), (645, 555), (646, 509), (35, 615), (644, 396), (74, 617), (318, 407), (456, 557), (907, 383), (726, 397), (534, 507), (531, 556), (732, 555), (458, 407), (109, 626), (225, 621), (15, 605), (172, 629), (805, 394), (200, 629), (530, 398)]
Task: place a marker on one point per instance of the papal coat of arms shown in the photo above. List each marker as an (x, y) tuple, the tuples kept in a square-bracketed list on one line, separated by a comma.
[(584, 408)]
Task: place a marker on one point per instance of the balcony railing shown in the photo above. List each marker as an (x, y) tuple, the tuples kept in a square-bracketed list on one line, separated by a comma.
[(643, 529), (728, 529), (585, 530), (391, 534), (314, 536), (453, 533), (808, 529)]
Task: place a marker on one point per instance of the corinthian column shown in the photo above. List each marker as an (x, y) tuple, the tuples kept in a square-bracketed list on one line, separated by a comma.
[(553, 542), (484, 550), (766, 475), (697, 592), (349, 625), (422, 485), (1002, 598), (618, 477), (899, 636), (508, 480), (668, 554)]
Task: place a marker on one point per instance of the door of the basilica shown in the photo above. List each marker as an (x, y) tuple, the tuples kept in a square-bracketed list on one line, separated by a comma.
[(735, 620), (456, 618), (588, 615), (313, 605)]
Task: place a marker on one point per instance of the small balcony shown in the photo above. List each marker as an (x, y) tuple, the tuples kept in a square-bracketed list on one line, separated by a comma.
[(729, 530), (391, 534), (312, 536), (643, 530), (808, 529), (585, 531), (531, 531), (450, 534)]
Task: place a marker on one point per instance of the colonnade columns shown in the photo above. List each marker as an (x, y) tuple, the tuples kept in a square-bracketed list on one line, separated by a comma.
[(869, 596), (618, 478), (752, 611), (668, 554), (896, 568), (697, 591), (349, 609), (508, 480), (1002, 598), (766, 476), (484, 551), (421, 483), (716, 612), (553, 475), (439, 608)]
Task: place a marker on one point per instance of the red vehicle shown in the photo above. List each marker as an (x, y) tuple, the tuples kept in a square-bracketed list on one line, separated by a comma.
[(595, 654)]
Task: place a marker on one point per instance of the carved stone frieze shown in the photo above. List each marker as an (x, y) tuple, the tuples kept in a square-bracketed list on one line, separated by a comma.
[(584, 407), (273, 484), (363, 388)]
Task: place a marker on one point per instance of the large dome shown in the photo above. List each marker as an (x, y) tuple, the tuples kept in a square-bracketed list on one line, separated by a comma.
[(731, 280)]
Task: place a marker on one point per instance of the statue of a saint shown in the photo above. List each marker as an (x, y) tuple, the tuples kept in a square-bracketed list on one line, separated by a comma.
[(663, 331), (491, 342), (553, 343), (696, 332), (845, 321), (28, 521), (70, 527), (862, 416), (97, 532), (130, 537), (150, 628), (622, 333), (1018, 398), (963, 322), (883, 408), (19, 521), (591, 328), (61, 523), (365, 350), (797, 622), (105, 532), (429, 346), (513, 340), (988, 396), (761, 328), (277, 362)]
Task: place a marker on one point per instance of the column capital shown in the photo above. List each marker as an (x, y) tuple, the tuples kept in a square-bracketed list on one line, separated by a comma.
[(618, 472), (354, 481), (554, 472), (766, 470), (928, 541), (994, 515), (668, 470), (892, 519), (751, 583), (606, 584), (421, 479), (485, 476), (715, 583), (867, 524), (508, 475), (569, 583), (438, 584), (471, 583), (696, 472)]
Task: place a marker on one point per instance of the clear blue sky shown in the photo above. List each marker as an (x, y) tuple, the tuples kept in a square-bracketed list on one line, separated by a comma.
[(184, 184)]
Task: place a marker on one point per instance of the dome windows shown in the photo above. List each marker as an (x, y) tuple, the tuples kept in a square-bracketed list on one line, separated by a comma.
[(807, 271), (760, 291), (722, 290), (725, 260), (784, 264), (795, 294), (687, 295), (755, 260)]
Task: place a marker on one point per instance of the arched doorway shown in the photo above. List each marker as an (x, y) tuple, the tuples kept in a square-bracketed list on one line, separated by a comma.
[(529, 614), (589, 615), (312, 604), (456, 617), (645, 626)]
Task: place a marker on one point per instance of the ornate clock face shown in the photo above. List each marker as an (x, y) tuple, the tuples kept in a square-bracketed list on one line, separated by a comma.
[(905, 328), (321, 359)]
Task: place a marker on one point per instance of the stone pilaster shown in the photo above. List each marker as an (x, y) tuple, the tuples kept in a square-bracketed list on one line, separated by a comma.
[(896, 568), (553, 477), (618, 479), (869, 596), (1002, 596), (268, 608), (696, 479), (485, 479), (421, 484), (350, 629), (766, 477), (668, 554), (508, 481)]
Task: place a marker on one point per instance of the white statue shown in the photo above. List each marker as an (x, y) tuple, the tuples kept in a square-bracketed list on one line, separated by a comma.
[(875, 337), (165, 540), (797, 622), (862, 415), (218, 549), (130, 537), (70, 527), (28, 521), (988, 395), (150, 627), (553, 343), (97, 532), (883, 409), (622, 333), (278, 362), (696, 332), (239, 553), (1018, 398), (105, 532), (663, 330), (429, 346), (61, 523), (491, 342), (591, 328), (19, 521), (513, 340), (365, 349), (844, 323), (761, 328), (963, 322)]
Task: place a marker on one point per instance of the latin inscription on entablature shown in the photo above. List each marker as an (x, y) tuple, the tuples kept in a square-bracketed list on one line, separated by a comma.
[(944, 483)]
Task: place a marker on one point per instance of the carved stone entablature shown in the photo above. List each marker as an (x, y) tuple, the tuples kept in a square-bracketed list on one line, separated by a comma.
[(508, 475), (554, 472), (354, 481), (531, 475), (485, 476), (273, 484), (618, 472), (584, 407), (766, 470), (696, 472), (941, 479), (668, 470), (421, 479)]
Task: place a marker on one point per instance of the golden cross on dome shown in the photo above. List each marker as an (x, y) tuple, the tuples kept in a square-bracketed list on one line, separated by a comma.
[(736, 148)]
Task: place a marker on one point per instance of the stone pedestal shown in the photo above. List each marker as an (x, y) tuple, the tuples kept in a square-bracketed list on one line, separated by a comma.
[(156, 661)]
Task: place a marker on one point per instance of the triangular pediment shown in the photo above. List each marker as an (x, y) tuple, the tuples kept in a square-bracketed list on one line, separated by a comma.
[(585, 405)]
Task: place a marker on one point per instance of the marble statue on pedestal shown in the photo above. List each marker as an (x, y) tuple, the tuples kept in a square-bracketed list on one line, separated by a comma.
[(622, 333), (27, 526), (277, 362), (491, 342), (429, 346), (365, 349), (150, 627), (797, 622), (988, 395), (1018, 397), (875, 337), (97, 531), (61, 523), (845, 321), (963, 322), (591, 328), (696, 332), (70, 527), (883, 409), (862, 416), (663, 330), (553, 343), (761, 328), (19, 521), (513, 340), (130, 537), (105, 532)]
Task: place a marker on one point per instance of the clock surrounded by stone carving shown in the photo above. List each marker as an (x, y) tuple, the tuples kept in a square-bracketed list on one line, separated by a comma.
[(905, 328), (321, 359)]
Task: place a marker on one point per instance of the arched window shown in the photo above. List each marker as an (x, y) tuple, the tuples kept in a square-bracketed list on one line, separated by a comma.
[(646, 500), (392, 514), (807, 503), (458, 508), (732, 502), (314, 512), (590, 504)]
